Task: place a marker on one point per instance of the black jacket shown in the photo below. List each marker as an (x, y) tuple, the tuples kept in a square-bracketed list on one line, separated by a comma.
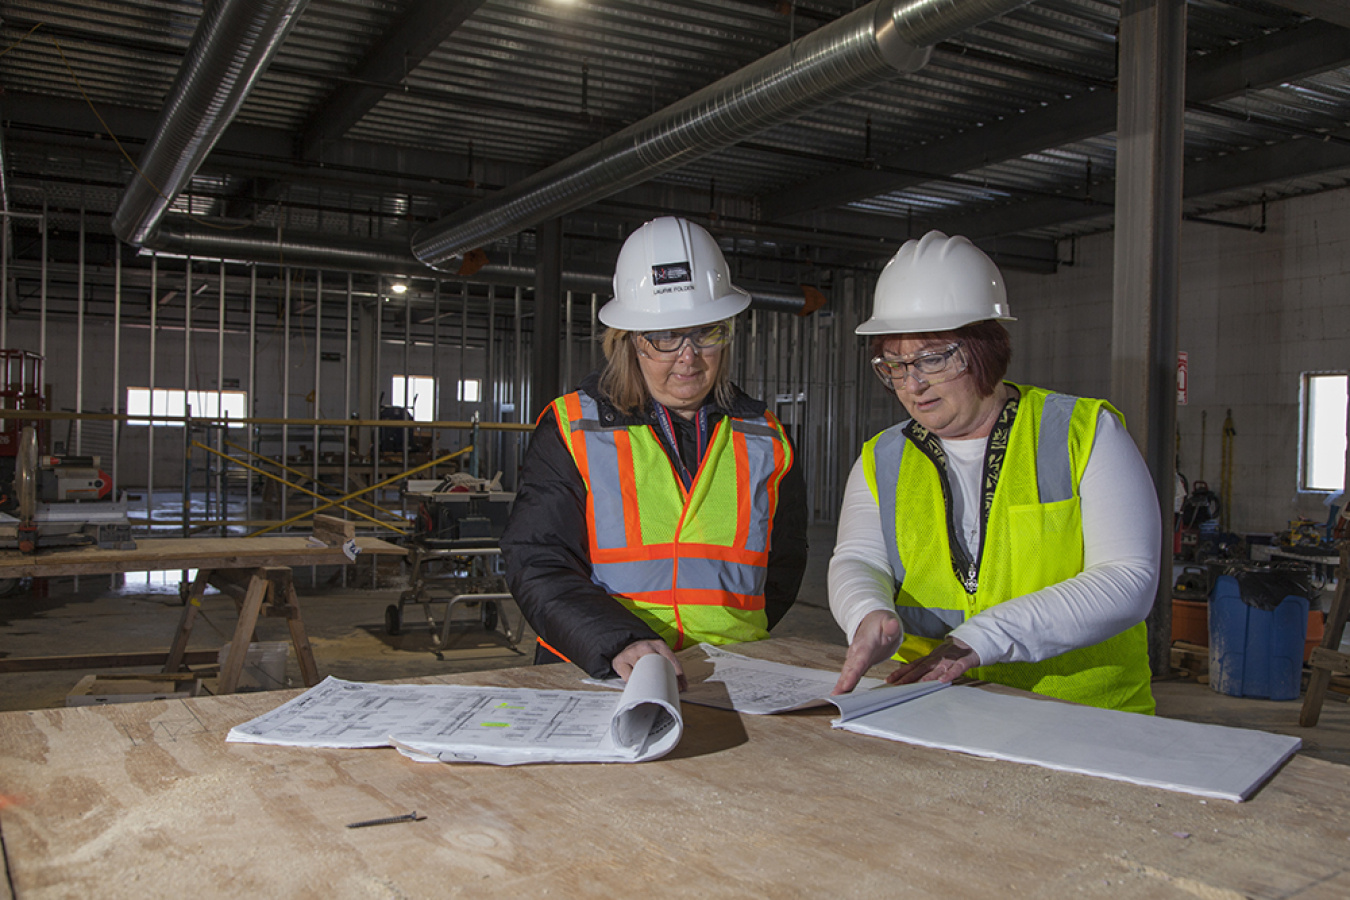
[(546, 547)]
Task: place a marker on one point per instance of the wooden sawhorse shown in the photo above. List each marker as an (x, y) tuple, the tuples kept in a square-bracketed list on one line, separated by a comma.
[(1327, 658), (211, 558), (250, 589)]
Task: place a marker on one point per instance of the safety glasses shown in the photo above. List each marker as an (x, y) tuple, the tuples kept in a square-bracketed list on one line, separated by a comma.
[(669, 344), (928, 367)]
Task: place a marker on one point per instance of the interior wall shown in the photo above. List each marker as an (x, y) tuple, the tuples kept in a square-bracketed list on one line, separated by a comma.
[(1257, 311)]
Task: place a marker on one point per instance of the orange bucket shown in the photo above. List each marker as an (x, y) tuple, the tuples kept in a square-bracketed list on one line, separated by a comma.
[(1190, 621), (1317, 627)]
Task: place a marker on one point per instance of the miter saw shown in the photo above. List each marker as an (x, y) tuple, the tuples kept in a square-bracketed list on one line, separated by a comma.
[(59, 501)]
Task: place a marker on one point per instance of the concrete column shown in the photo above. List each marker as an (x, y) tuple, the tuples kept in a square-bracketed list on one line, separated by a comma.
[(1149, 133), (545, 383)]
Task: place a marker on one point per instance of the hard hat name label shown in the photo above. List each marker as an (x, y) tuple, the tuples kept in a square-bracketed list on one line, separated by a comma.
[(671, 273)]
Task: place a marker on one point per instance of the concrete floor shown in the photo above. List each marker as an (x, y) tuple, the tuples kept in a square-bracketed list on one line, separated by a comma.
[(346, 629)]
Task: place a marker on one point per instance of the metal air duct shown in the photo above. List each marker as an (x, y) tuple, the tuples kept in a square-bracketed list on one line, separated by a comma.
[(860, 50), (233, 43), (187, 236)]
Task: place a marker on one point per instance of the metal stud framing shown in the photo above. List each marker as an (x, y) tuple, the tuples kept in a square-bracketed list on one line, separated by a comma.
[(806, 369)]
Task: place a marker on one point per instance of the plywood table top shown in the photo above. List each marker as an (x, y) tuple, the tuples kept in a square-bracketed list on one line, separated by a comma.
[(148, 799)]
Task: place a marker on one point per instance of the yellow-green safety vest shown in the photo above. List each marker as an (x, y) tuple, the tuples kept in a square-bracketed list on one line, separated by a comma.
[(1033, 539)]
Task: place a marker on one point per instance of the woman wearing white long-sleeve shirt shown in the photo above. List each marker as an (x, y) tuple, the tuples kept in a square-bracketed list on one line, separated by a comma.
[(1002, 530)]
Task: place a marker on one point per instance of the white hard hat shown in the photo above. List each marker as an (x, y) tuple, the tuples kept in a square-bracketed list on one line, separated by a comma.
[(936, 283), (671, 274)]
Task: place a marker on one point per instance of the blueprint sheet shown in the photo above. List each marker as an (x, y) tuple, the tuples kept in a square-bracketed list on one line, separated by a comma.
[(504, 726)]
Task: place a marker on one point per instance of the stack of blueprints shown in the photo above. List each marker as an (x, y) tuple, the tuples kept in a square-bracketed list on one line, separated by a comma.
[(503, 726)]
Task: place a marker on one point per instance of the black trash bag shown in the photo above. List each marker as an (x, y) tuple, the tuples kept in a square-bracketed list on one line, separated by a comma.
[(1266, 589)]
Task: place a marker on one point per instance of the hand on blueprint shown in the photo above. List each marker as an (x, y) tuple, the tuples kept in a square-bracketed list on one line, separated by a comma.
[(626, 658), (877, 637), (948, 662)]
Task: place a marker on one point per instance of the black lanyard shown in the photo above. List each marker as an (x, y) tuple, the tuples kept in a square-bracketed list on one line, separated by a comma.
[(668, 429), (996, 450)]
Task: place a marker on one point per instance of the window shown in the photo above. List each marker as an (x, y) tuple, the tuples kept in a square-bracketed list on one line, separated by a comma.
[(168, 402), (469, 390), (1324, 400), (415, 393)]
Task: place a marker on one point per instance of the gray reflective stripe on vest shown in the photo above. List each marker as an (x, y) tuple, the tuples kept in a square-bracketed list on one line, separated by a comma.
[(760, 440), (606, 488), (757, 426), (602, 457), (589, 425), (634, 577), (931, 623), (1054, 476), (923, 621), (694, 574), (886, 455)]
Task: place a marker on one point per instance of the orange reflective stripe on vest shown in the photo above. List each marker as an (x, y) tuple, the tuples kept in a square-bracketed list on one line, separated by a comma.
[(691, 563)]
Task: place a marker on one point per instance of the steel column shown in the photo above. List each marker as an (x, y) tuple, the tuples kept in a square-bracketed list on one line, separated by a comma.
[(150, 387), (42, 288), (285, 376), (79, 338), (252, 371), (116, 405), (1150, 130)]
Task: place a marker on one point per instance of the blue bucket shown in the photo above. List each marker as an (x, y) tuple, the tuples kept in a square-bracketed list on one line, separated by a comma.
[(1255, 652)]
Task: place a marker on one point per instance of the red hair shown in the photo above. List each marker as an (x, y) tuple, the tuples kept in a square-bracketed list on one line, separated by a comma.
[(987, 346)]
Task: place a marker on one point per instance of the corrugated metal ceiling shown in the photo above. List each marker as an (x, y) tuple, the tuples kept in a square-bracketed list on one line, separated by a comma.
[(520, 85)]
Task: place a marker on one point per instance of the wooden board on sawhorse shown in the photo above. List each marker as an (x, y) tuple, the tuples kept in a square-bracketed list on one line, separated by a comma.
[(1327, 658), (249, 589)]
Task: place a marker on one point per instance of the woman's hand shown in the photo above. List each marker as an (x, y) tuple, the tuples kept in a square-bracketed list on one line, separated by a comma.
[(876, 639), (626, 658), (949, 661)]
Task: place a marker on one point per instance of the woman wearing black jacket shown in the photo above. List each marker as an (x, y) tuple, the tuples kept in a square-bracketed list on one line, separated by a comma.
[(659, 505)]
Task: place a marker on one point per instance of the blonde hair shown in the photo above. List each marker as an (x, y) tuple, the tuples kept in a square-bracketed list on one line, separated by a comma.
[(622, 381)]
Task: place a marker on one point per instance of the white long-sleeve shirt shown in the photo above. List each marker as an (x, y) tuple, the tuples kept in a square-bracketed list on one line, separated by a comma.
[(1122, 541)]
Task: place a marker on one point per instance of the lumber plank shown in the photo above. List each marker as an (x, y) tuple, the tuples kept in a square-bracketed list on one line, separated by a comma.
[(101, 661), (233, 666), (332, 530), (186, 621), (158, 554)]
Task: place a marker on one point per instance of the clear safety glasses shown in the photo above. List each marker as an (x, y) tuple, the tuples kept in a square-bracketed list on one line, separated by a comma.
[(669, 344), (929, 367)]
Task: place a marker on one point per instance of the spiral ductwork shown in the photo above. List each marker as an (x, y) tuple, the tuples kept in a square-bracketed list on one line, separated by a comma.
[(185, 236), (860, 50), (235, 40), (233, 43)]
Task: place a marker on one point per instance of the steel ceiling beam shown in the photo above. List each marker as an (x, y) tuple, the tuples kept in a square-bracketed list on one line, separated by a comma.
[(1334, 11), (254, 151), (1301, 52), (422, 29), (1300, 158)]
